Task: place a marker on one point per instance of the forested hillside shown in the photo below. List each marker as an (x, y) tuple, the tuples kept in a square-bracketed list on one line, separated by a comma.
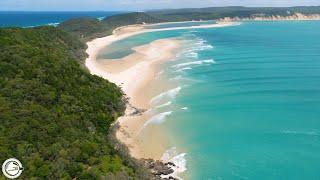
[(89, 28), (212, 13), (54, 116)]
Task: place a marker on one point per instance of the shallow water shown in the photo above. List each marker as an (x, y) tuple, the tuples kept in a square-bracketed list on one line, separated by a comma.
[(248, 104)]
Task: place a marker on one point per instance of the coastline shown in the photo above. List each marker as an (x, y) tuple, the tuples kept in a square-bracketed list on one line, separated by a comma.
[(124, 32), (293, 17), (133, 74)]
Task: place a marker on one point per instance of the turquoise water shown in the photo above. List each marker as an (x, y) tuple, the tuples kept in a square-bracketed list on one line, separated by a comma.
[(246, 103), (181, 24), (124, 47)]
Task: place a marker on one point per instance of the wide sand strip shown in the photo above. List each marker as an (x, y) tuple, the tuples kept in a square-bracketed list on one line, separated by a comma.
[(133, 73)]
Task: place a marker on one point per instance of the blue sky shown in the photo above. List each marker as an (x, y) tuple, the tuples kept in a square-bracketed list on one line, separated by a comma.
[(111, 5)]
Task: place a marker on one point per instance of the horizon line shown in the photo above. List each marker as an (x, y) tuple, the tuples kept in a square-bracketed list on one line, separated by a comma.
[(154, 9)]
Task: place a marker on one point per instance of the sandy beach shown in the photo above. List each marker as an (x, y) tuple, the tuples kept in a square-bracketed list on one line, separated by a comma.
[(133, 74)]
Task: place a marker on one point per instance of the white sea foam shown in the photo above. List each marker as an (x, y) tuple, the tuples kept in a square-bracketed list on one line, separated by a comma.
[(157, 119), (180, 77), (101, 18), (171, 155), (205, 47), (184, 108), (192, 54), (164, 105), (172, 93), (53, 24), (209, 61), (49, 24), (183, 69), (200, 47)]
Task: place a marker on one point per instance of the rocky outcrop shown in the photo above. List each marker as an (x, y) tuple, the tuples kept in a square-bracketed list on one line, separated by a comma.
[(263, 17), (159, 168)]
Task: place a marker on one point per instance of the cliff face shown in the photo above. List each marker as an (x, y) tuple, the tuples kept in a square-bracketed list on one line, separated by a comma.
[(262, 17)]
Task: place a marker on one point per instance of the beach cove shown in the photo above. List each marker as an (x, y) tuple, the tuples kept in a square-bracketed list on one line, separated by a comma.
[(135, 73), (209, 89), (218, 93)]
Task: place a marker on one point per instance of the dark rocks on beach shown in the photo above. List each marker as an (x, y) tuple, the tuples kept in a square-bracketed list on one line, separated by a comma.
[(134, 110), (170, 164), (137, 111), (170, 178), (159, 168)]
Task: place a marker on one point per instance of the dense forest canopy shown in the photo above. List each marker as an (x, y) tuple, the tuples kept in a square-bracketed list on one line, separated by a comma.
[(89, 28), (212, 13), (55, 116)]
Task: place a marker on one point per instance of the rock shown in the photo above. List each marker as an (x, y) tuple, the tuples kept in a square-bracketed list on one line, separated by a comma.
[(170, 178), (159, 168), (173, 178), (170, 164)]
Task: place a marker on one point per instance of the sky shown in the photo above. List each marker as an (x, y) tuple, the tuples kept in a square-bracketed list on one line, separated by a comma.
[(137, 5)]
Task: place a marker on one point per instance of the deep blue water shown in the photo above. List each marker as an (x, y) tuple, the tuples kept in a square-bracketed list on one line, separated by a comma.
[(28, 19)]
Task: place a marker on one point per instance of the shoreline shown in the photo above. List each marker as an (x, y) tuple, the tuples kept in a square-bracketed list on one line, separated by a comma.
[(293, 17), (133, 73), (123, 72)]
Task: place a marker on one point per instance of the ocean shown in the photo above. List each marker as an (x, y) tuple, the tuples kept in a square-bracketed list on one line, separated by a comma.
[(244, 101), (31, 19)]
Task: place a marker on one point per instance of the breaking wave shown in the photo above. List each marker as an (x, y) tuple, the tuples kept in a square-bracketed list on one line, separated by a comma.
[(171, 155), (164, 105), (157, 119), (183, 69), (183, 65), (101, 18), (168, 94)]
